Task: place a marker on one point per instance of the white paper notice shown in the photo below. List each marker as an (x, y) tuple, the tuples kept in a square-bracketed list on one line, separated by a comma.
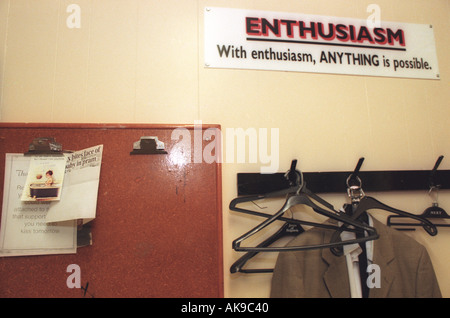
[(80, 189), (24, 229)]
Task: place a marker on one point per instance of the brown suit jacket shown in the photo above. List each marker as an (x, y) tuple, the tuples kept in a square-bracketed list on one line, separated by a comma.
[(405, 268)]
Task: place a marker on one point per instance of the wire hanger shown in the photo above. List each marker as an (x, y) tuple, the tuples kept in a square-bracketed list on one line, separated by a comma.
[(432, 212), (296, 195), (362, 203)]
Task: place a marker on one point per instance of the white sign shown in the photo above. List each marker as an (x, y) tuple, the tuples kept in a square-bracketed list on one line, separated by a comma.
[(279, 41), (24, 229)]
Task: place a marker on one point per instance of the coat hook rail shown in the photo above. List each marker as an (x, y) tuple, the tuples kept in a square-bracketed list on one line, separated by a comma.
[(335, 182)]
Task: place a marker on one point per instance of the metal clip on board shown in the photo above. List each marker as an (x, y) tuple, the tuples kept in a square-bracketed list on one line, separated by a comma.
[(44, 146), (433, 212), (148, 145)]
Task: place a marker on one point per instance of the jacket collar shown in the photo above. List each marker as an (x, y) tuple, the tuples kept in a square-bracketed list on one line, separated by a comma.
[(336, 277)]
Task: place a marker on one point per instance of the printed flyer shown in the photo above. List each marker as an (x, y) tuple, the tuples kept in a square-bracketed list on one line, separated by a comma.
[(79, 193), (24, 229), (47, 202)]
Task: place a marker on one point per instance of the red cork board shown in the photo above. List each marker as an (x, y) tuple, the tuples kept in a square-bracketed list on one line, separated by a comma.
[(158, 225)]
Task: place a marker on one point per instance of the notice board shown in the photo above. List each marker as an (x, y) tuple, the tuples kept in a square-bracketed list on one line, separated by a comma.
[(158, 225)]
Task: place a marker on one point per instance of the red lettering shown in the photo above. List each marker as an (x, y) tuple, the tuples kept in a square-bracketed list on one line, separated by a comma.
[(289, 27), (364, 35), (274, 27), (398, 36), (253, 26), (380, 37)]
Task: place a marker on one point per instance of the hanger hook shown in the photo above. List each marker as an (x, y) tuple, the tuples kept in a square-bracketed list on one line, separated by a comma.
[(355, 192), (300, 181), (435, 190), (432, 182)]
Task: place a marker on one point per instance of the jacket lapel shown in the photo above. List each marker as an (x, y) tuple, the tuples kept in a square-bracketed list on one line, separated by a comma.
[(383, 256), (336, 277)]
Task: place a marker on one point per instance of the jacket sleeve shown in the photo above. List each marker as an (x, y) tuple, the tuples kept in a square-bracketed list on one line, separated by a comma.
[(427, 285)]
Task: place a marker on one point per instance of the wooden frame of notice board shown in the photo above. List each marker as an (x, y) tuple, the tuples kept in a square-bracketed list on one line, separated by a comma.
[(158, 225)]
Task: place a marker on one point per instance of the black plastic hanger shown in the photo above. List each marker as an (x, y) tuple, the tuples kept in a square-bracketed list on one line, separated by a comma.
[(301, 195), (362, 203), (368, 203), (295, 180), (288, 229), (432, 212)]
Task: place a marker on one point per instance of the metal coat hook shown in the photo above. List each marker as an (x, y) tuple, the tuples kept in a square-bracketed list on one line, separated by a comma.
[(432, 212), (355, 191), (435, 211), (432, 181)]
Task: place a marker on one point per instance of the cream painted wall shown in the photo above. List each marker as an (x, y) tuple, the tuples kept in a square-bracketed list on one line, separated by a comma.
[(136, 61)]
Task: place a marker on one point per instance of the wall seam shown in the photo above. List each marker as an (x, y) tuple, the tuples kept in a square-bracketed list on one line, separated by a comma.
[(198, 61), (4, 60), (55, 63)]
